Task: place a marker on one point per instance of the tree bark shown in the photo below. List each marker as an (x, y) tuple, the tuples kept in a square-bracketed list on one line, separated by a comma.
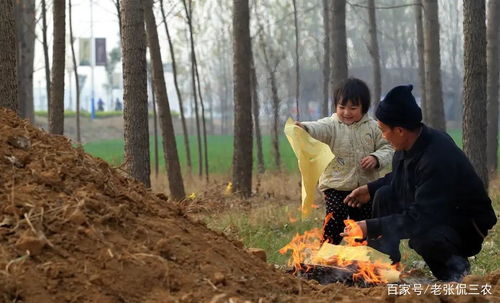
[(256, 114), (188, 10), (135, 97), (177, 90), (118, 10), (25, 56), (326, 57), (175, 182), (203, 121), (274, 129), (492, 57), (421, 62), (397, 41), (338, 44), (75, 69), (374, 52), (8, 57), (271, 67), (474, 123), (242, 156), (297, 66), (56, 112), (432, 59), (155, 118), (45, 44)]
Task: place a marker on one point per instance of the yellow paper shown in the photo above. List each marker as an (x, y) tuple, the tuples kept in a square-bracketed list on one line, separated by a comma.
[(313, 156), (350, 253)]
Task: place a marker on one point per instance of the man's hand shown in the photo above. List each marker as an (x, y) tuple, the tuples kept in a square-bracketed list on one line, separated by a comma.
[(369, 162), (356, 230), (358, 197)]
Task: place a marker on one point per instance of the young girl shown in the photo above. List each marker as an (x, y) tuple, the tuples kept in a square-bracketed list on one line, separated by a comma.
[(359, 149)]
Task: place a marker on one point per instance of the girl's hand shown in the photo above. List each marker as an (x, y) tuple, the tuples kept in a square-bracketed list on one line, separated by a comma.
[(299, 124), (370, 162)]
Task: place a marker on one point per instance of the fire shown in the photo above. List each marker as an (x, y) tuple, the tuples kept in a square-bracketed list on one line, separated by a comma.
[(309, 249), (357, 234), (304, 247)]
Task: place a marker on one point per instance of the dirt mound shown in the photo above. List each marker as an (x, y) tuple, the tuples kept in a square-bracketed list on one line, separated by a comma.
[(74, 229)]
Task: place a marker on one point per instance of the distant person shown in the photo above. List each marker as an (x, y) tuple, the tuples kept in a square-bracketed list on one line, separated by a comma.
[(100, 105), (118, 105), (433, 196), (360, 153)]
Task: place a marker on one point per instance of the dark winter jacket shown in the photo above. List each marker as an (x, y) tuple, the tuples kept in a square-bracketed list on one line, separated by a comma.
[(434, 183)]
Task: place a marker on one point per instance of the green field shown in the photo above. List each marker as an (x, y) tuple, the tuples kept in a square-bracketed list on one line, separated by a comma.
[(220, 153)]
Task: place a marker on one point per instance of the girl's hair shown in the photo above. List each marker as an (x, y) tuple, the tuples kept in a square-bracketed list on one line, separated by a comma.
[(354, 90)]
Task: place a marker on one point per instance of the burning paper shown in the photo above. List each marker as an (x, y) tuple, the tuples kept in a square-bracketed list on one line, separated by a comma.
[(360, 262), (374, 266)]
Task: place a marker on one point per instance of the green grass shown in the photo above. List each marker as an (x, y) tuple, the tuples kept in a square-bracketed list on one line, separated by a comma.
[(268, 228), (220, 152)]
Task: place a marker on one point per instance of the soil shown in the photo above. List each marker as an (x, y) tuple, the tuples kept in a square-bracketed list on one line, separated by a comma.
[(73, 229)]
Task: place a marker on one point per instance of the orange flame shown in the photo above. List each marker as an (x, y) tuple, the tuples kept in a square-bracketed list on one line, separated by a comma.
[(303, 247), (356, 234), (306, 246)]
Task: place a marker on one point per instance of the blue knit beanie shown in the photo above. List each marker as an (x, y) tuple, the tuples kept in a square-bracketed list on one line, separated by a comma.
[(399, 108)]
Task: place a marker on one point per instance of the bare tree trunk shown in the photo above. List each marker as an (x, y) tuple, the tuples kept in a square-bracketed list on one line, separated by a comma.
[(135, 97), (175, 182), (8, 58), (374, 52), (338, 43), (77, 81), (421, 62), (25, 55), (271, 70), (227, 91), (474, 124), (492, 56), (256, 113), (297, 66), (155, 122), (211, 106), (204, 128), (117, 5), (203, 120), (188, 10), (242, 157), (177, 90), (274, 130), (432, 59), (326, 57), (56, 112), (398, 52), (46, 52)]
